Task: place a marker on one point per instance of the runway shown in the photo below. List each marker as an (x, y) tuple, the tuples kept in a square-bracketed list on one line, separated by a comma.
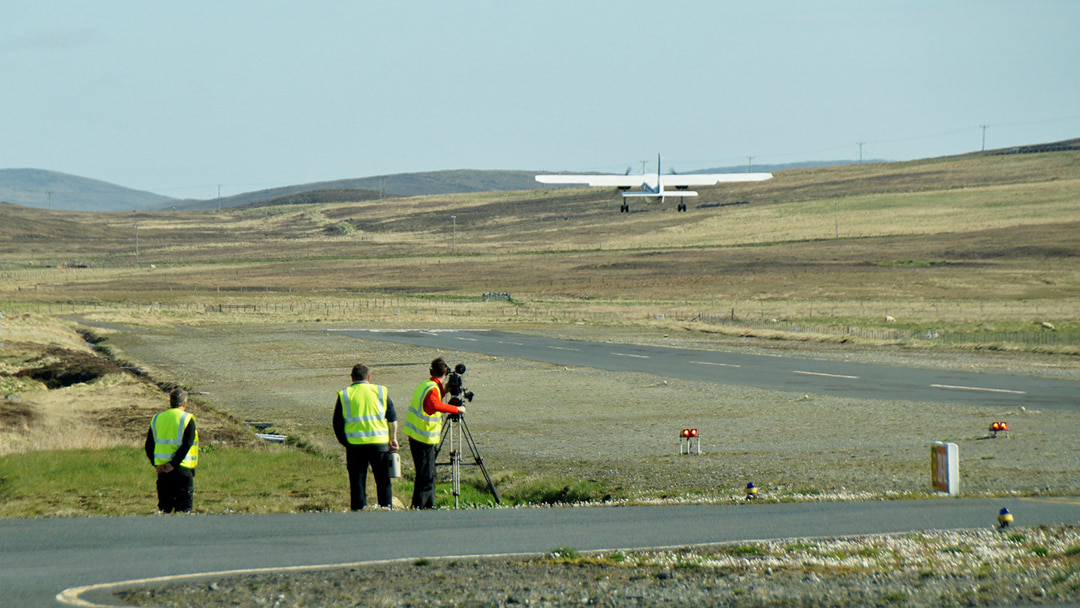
[(857, 380)]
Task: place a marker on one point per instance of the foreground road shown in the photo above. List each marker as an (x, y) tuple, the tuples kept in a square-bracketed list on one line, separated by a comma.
[(39, 558)]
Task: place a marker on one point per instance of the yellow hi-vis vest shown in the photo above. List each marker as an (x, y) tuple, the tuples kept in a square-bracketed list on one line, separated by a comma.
[(364, 409), (168, 427), (418, 425)]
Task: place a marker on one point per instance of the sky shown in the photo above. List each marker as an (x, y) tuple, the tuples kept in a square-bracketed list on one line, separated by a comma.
[(189, 99)]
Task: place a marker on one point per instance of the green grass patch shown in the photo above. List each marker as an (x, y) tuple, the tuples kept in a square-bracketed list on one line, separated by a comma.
[(120, 481), (472, 493), (745, 550), (563, 554), (557, 491), (274, 479)]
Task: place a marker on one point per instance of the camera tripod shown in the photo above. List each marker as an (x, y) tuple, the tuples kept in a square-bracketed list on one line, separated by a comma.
[(458, 434)]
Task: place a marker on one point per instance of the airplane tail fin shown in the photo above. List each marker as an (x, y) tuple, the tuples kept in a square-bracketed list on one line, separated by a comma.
[(659, 179)]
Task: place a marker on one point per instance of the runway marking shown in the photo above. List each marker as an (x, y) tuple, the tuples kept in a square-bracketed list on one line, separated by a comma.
[(565, 348), (826, 375), (716, 364), (467, 339), (511, 343), (978, 388), (631, 355)]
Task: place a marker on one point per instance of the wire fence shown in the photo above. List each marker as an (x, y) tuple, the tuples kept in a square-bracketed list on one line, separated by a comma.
[(485, 309)]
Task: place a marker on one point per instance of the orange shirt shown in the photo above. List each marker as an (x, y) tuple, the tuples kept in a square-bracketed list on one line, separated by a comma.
[(433, 401)]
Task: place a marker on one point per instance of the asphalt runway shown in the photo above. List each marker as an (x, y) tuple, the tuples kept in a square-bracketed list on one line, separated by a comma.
[(857, 380), (80, 558)]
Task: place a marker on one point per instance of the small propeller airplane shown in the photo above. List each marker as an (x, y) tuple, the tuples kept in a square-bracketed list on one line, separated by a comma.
[(654, 186)]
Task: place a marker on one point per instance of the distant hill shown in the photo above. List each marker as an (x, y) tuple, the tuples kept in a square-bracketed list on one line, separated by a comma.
[(382, 186), (32, 188)]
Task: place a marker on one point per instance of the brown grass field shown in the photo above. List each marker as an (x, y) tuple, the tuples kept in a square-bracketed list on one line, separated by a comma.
[(863, 259), (982, 240)]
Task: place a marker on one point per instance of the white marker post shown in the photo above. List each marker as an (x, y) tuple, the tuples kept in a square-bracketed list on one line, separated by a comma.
[(945, 467)]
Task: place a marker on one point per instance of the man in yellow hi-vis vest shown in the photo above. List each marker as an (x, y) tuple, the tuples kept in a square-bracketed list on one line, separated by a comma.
[(172, 445), (365, 422)]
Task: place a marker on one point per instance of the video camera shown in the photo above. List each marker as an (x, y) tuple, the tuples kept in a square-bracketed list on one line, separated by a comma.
[(455, 388)]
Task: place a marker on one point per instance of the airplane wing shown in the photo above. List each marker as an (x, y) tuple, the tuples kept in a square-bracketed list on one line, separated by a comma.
[(625, 181), (633, 181), (711, 179)]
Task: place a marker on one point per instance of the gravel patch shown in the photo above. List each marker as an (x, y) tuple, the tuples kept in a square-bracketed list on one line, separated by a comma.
[(1016, 566)]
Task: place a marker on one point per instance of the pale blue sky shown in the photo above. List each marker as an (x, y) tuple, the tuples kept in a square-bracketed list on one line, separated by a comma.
[(180, 97)]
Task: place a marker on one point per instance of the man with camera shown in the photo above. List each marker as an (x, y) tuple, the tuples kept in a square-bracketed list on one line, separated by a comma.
[(423, 425), (365, 422)]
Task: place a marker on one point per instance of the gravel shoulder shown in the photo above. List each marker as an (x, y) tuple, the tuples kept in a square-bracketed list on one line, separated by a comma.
[(954, 568)]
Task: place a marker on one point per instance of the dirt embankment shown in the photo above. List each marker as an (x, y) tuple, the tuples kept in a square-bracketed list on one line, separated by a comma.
[(63, 394)]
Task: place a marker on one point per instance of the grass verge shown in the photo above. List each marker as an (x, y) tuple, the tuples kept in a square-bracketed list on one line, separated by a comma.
[(119, 481)]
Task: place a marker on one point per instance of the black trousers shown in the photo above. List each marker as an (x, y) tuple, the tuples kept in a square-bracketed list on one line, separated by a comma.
[(357, 460), (176, 490), (423, 455)]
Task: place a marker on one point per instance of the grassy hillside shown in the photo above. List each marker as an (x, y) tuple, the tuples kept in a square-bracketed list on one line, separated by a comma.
[(974, 239)]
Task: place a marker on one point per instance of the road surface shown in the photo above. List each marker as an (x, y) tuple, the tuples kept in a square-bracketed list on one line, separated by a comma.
[(40, 558)]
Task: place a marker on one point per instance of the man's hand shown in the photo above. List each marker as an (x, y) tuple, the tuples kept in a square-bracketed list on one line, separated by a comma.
[(164, 468), (393, 443)]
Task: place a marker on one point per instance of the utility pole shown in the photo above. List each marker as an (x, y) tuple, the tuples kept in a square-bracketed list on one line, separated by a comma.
[(749, 164), (136, 244), (453, 221), (219, 197), (50, 199), (984, 128), (860, 151)]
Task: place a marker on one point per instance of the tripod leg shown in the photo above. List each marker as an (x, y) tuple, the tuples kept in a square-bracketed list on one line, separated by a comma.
[(479, 460), (455, 463), (442, 440)]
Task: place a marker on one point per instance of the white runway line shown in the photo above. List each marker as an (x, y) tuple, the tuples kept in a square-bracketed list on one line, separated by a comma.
[(826, 375), (978, 388), (630, 355), (716, 364)]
